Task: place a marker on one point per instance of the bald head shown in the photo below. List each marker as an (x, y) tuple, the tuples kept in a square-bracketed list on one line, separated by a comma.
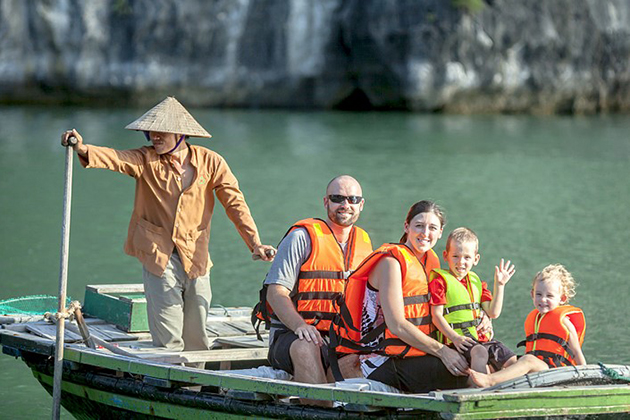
[(343, 182), (345, 190)]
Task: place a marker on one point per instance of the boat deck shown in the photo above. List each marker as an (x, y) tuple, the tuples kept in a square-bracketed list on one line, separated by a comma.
[(230, 333)]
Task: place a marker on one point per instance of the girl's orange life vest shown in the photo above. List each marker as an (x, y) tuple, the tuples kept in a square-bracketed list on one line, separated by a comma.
[(548, 339), (347, 335), (323, 276)]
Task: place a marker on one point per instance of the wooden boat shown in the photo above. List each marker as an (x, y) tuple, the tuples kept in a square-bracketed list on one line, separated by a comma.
[(125, 376)]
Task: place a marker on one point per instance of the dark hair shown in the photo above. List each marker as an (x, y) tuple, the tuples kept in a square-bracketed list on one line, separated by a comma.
[(424, 206)]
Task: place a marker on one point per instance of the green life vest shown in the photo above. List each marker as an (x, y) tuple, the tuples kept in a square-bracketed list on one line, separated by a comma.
[(462, 310)]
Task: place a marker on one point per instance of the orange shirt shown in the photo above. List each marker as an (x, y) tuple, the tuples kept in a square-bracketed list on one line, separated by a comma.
[(164, 216)]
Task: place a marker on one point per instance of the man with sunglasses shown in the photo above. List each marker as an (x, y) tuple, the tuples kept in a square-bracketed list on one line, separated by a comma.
[(314, 260)]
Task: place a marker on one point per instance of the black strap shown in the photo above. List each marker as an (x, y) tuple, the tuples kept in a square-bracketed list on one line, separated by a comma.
[(552, 359), (467, 324), (332, 353), (546, 336), (317, 315), (412, 300), (256, 324), (462, 307), (261, 309), (316, 296), (322, 274), (423, 320)]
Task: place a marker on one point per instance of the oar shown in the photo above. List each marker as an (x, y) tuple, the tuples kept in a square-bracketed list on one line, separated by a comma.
[(63, 280)]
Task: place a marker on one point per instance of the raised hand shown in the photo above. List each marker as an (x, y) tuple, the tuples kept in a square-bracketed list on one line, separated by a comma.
[(504, 272)]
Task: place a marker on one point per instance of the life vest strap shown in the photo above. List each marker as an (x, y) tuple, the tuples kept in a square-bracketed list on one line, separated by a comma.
[(466, 306), (374, 333), (261, 313), (316, 295), (552, 359), (322, 274), (467, 324), (412, 300), (423, 320), (329, 316), (546, 336)]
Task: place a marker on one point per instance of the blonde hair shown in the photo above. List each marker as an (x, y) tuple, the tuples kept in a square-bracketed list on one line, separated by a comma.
[(462, 235), (557, 272)]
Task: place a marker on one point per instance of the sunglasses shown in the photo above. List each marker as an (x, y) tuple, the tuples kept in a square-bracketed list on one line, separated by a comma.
[(352, 199)]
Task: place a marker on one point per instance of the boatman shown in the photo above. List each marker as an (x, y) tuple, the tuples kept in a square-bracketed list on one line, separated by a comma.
[(169, 230), (314, 260)]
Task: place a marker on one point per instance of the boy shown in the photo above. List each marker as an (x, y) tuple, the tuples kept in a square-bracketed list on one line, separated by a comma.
[(554, 330), (458, 296)]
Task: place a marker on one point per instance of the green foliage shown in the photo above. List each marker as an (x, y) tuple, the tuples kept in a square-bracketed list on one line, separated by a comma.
[(472, 6), (122, 7)]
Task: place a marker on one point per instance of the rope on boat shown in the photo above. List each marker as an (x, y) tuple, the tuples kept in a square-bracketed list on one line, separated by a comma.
[(67, 314), (612, 373)]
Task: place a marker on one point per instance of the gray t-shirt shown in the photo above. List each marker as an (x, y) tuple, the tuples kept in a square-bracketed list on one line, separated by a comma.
[(293, 251)]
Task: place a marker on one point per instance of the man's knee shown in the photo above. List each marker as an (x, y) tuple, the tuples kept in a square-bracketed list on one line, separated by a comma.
[(305, 353)]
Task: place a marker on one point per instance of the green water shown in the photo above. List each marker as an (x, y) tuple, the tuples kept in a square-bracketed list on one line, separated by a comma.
[(537, 190)]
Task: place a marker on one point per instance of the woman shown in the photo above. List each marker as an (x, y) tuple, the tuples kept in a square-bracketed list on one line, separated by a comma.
[(387, 314)]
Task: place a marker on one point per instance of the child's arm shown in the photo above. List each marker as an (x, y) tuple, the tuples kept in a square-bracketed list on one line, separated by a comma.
[(460, 342), (574, 343), (502, 274)]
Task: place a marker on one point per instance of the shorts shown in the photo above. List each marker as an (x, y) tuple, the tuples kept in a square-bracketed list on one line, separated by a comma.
[(279, 355), (417, 374), (498, 353)]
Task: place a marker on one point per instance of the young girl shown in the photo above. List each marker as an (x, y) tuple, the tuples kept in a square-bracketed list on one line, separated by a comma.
[(554, 330)]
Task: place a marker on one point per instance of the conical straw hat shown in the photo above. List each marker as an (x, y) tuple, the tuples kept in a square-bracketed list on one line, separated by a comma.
[(169, 116)]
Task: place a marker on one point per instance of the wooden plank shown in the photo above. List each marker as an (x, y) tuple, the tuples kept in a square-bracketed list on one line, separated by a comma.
[(245, 326), (27, 342), (247, 341), (49, 331), (113, 348), (222, 329), (15, 327), (17, 319), (234, 312), (206, 355), (109, 332), (115, 288)]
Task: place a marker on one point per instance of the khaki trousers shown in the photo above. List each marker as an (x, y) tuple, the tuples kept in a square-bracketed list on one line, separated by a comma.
[(177, 307)]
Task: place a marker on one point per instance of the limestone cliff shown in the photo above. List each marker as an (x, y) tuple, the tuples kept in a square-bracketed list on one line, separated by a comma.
[(544, 56)]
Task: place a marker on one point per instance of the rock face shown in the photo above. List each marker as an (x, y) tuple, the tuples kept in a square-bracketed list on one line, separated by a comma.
[(542, 56)]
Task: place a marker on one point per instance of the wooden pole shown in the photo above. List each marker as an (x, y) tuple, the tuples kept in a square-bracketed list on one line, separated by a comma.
[(63, 281)]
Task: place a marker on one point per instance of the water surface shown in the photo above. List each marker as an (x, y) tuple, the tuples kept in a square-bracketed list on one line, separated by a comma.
[(537, 190)]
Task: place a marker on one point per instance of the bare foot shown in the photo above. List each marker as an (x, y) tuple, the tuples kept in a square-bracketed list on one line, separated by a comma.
[(481, 380)]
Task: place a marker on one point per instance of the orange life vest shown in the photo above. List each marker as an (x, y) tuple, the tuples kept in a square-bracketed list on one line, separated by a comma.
[(548, 339), (347, 335), (322, 277)]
